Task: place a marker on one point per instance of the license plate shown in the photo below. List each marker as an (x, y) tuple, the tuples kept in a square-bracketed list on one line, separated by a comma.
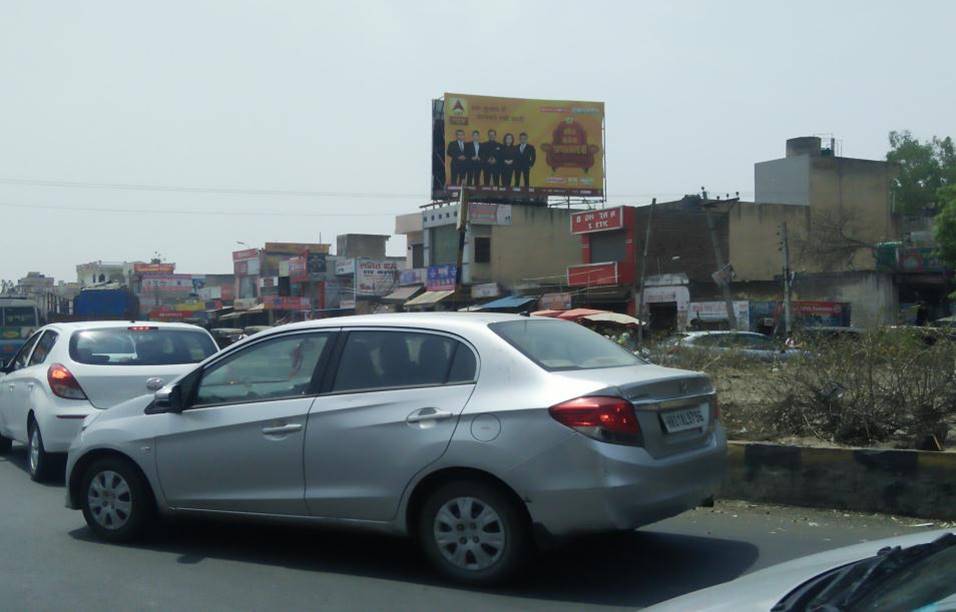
[(683, 420)]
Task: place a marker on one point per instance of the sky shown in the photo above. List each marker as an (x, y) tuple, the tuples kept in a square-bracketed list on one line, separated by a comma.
[(183, 127)]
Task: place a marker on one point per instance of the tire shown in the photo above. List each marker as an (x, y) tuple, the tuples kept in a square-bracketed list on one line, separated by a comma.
[(5, 444), (464, 550), (117, 501), (40, 464)]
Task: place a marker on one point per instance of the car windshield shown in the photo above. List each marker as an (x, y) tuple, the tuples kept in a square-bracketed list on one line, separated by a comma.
[(140, 345), (917, 577), (558, 345)]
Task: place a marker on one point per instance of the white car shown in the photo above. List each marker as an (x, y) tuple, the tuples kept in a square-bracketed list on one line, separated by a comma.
[(910, 572), (66, 371)]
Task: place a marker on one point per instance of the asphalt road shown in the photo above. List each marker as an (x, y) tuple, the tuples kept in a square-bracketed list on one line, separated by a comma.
[(49, 561)]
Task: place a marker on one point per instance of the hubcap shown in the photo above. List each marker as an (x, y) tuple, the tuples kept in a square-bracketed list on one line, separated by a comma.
[(109, 499), (34, 450), (469, 533)]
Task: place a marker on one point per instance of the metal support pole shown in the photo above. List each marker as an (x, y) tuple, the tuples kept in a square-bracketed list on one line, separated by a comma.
[(643, 302)]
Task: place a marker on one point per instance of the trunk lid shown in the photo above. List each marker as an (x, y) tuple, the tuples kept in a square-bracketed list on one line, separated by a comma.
[(660, 393), (106, 386)]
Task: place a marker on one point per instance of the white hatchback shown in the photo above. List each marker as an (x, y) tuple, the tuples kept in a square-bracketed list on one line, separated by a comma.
[(66, 371)]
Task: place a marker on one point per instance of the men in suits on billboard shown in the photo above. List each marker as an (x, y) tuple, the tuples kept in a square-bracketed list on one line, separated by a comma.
[(475, 158), (491, 166), (458, 154), (509, 158), (525, 160)]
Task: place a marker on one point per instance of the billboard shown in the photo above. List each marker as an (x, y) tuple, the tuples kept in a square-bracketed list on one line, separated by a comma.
[(522, 146)]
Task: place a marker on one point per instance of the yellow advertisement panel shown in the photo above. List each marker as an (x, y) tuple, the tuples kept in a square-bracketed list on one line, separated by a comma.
[(515, 145)]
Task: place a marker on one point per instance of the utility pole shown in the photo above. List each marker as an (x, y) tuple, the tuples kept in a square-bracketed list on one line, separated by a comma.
[(462, 231), (785, 247), (647, 241), (722, 271)]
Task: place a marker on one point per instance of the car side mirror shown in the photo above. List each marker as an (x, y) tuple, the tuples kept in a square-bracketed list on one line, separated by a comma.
[(167, 399)]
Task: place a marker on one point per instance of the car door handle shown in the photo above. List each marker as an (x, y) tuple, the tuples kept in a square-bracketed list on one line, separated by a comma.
[(281, 429), (428, 414)]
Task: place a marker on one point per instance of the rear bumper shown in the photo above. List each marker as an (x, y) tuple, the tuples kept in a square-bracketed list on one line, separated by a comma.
[(61, 425), (591, 487)]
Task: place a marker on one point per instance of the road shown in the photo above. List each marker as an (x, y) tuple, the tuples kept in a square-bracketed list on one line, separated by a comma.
[(49, 561)]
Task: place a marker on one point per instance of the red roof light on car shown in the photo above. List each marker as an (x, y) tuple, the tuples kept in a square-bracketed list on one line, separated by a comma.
[(141, 327)]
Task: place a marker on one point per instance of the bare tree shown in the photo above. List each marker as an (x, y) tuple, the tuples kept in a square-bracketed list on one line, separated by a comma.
[(831, 240)]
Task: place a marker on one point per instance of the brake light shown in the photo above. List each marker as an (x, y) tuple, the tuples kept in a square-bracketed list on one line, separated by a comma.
[(604, 418), (141, 327), (63, 383), (715, 405)]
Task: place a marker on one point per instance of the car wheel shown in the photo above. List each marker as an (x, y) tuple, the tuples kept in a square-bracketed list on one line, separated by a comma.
[(39, 462), (5, 444), (116, 500), (474, 533)]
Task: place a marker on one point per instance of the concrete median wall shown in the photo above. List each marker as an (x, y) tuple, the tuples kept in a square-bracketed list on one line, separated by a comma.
[(906, 482)]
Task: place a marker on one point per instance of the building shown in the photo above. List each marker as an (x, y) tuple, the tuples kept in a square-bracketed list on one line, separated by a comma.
[(103, 272), (836, 211), (507, 248)]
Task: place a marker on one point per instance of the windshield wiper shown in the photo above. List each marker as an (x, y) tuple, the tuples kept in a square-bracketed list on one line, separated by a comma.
[(843, 587)]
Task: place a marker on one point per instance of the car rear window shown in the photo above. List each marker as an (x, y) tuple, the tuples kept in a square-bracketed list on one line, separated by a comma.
[(140, 345), (559, 345)]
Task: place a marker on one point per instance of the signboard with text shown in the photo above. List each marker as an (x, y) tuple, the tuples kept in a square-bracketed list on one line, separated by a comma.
[(442, 277), (285, 302), (153, 268), (604, 220), (592, 275), (375, 277)]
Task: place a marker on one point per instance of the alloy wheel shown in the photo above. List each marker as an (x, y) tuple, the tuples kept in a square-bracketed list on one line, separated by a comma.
[(34, 450), (110, 500), (470, 534)]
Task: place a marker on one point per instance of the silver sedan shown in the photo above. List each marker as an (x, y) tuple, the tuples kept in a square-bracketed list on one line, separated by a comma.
[(479, 435)]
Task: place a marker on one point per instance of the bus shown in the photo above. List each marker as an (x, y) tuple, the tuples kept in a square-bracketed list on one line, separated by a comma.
[(19, 317)]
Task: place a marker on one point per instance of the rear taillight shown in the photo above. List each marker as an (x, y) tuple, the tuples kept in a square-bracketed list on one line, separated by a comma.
[(716, 408), (608, 419), (63, 383)]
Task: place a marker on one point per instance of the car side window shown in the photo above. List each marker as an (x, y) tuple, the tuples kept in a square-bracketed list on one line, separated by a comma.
[(708, 340), (272, 369), (20, 360), (388, 359), (43, 348)]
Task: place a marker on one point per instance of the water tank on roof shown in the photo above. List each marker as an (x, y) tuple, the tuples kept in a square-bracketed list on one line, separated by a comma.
[(804, 145)]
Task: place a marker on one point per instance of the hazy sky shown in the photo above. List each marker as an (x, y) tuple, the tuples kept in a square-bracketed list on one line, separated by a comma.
[(334, 98)]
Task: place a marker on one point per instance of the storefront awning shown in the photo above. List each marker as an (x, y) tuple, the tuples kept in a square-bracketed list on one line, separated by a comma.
[(429, 297), (403, 293), (508, 303)]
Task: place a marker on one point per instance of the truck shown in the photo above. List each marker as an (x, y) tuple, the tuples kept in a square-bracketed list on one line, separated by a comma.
[(105, 304)]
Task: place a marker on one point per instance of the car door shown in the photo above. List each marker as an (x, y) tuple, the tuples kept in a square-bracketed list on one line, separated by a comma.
[(13, 392), (237, 445), (390, 409)]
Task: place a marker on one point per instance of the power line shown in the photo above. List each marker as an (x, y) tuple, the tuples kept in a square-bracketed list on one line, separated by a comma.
[(212, 190), (218, 213), (58, 183)]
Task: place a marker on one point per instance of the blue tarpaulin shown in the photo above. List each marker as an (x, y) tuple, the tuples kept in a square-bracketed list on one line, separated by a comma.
[(508, 303)]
